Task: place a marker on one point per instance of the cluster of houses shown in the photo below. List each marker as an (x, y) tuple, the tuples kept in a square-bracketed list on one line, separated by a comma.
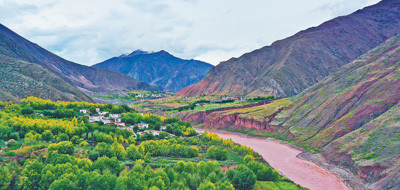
[(115, 119), (141, 96)]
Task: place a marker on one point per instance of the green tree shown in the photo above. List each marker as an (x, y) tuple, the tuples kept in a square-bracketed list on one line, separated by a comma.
[(62, 137), (104, 163), (133, 153), (5, 177), (117, 110), (63, 183), (207, 185), (118, 150), (27, 111), (224, 185), (93, 155), (218, 153), (147, 157), (47, 135), (244, 178), (248, 158), (104, 149), (31, 175), (64, 147)]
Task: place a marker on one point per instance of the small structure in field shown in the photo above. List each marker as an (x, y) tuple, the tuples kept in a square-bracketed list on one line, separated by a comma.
[(155, 133), (83, 111), (115, 116), (120, 124), (143, 125), (93, 119), (102, 112)]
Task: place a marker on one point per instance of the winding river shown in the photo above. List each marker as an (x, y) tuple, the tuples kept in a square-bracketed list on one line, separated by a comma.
[(284, 158)]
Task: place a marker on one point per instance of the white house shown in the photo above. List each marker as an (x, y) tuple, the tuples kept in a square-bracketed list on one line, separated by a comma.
[(115, 116), (163, 128), (103, 112), (39, 114), (107, 122), (118, 120), (142, 133), (155, 133), (83, 111), (143, 125), (93, 119), (120, 124), (97, 110), (125, 128), (139, 96)]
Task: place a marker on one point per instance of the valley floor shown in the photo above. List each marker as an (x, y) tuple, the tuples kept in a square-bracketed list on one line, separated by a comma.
[(285, 159)]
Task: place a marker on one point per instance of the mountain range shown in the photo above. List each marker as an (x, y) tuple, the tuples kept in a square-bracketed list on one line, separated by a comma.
[(289, 66), (158, 69), (24, 54), (353, 116)]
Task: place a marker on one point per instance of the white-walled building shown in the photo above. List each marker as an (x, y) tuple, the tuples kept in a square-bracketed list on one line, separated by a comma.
[(115, 116), (143, 125), (83, 111)]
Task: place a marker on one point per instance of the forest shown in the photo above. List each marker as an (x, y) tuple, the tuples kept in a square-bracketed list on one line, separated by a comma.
[(52, 145)]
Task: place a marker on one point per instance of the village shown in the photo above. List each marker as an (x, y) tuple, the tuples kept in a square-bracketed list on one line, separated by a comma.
[(115, 120)]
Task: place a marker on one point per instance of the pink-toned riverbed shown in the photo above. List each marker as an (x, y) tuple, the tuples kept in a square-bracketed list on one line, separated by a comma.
[(283, 158)]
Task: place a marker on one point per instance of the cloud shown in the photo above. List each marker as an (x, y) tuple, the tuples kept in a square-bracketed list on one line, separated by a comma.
[(91, 31)]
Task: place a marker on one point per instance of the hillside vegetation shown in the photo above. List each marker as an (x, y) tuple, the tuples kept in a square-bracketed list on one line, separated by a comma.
[(52, 145)]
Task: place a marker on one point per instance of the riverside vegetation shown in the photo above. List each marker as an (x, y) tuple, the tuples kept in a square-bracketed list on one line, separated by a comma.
[(51, 145)]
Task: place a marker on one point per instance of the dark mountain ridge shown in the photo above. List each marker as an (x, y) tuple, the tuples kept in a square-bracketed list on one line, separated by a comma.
[(158, 68), (83, 77)]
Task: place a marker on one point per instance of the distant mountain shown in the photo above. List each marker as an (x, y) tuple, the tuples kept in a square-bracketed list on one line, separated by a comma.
[(158, 68), (83, 77), (289, 66), (353, 115)]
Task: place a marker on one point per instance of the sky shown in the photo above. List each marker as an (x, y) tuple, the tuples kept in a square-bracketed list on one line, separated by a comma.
[(91, 31)]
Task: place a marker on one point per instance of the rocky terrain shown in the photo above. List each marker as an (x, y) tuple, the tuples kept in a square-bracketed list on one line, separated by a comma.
[(289, 66), (83, 77), (351, 117), (158, 69), (20, 79)]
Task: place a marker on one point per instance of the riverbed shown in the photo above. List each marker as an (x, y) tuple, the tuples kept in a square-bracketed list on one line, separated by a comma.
[(284, 158)]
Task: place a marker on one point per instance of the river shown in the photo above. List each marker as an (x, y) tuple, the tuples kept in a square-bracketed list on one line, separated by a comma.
[(284, 159)]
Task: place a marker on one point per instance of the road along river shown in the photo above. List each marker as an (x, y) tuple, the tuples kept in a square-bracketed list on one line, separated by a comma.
[(284, 159)]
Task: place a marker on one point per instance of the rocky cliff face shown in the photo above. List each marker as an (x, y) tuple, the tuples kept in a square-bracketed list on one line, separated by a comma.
[(85, 78), (289, 66), (351, 117), (203, 116), (158, 69)]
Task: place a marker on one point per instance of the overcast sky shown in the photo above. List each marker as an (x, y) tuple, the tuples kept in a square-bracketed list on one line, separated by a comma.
[(91, 31)]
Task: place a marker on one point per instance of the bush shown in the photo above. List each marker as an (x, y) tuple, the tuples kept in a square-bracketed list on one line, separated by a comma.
[(64, 147), (27, 111), (247, 159), (218, 153), (47, 135), (11, 143), (244, 178), (93, 155)]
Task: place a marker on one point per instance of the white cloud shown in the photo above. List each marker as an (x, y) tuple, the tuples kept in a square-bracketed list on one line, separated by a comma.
[(90, 31)]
